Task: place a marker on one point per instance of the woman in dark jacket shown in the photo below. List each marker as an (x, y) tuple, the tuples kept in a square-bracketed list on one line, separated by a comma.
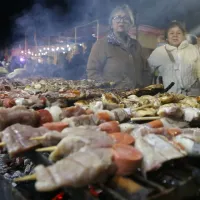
[(117, 57)]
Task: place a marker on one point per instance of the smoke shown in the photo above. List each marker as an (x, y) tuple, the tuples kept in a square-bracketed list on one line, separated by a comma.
[(49, 19), (46, 19)]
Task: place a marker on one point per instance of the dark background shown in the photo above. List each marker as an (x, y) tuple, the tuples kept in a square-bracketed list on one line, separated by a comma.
[(49, 17)]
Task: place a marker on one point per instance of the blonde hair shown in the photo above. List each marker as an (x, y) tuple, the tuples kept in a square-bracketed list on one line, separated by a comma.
[(125, 8)]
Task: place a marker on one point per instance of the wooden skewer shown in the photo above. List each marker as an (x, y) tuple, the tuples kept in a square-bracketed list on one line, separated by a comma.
[(38, 138), (31, 177), (144, 118), (52, 148), (142, 107), (2, 144)]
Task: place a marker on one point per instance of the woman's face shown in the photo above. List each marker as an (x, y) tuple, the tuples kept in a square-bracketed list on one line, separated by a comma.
[(175, 36), (121, 22)]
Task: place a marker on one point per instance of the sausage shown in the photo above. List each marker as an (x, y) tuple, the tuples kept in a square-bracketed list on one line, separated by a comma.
[(123, 138), (103, 116), (110, 127), (89, 112), (45, 116), (8, 103), (155, 124), (56, 126), (126, 158), (173, 131)]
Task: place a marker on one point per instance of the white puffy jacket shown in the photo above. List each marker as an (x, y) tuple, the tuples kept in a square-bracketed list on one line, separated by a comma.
[(185, 72)]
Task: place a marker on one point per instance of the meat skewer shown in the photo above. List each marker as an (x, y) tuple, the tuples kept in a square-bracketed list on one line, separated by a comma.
[(144, 118), (16, 138), (87, 166), (71, 144)]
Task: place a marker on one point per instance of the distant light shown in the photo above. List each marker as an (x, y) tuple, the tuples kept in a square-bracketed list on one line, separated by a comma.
[(39, 54), (52, 49), (40, 50), (22, 51), (63, 52), (44, 48), (80, 44), (69, 49), (35, 54), (67, 45), (57, 48), (29, 52), (48, 49), (22, 59), (25, 53), (62, 48)]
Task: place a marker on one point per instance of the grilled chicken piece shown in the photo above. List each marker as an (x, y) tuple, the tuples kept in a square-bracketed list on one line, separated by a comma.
[(52, 138), (73, 143), (16, 138), (170, 110), (190, 141), (192, 101), (191, 114), (155, 150), (72, 112), (77, 170), (20, 115), (144, 112)]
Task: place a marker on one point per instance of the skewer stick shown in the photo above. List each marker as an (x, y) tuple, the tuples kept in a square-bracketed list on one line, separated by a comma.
[(52, 148), (31, 177), (142, 107), (2, 144), (38, 138), (144, 118)]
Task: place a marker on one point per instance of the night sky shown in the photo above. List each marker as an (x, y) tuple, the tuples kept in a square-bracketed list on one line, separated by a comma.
[(51, 16)]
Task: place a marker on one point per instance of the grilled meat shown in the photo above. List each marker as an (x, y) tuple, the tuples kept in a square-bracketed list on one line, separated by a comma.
[(16, 138), (77, 170), (73, 143)]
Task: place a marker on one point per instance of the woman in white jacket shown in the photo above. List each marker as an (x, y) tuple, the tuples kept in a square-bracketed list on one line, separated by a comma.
[(178, 62)]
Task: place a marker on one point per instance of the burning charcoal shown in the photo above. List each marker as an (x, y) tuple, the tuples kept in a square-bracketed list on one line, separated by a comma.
[(17, 174), (45, 154), (8, 177), (27, 162), (4, 158), (37, 106), (19, 161), (14, 184), (196, 175), (28, 169)]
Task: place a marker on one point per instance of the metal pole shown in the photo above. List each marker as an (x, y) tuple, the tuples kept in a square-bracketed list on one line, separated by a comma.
[(75, 35), (97, 29)]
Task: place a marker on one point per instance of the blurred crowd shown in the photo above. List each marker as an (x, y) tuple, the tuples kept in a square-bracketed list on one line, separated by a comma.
[(70, 65)]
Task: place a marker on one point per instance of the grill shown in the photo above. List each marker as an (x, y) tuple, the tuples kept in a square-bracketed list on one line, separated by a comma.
[(178, 180)]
